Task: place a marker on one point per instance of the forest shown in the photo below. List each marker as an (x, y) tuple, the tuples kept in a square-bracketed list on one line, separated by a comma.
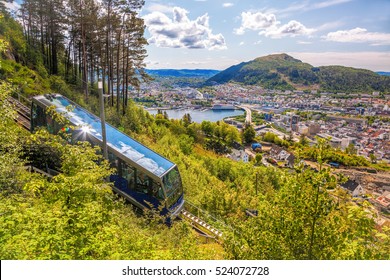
[(301, 214)]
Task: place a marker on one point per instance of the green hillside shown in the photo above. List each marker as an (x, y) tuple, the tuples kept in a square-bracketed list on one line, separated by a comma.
[(281, 71), (75, 215)]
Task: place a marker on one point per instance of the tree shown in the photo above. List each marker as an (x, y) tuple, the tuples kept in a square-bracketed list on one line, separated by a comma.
[(351, 150), (248, 133), (187, 120), (303, 140), (373, 158), (283, 228), (258, 159), (207, 128), (88, 39)]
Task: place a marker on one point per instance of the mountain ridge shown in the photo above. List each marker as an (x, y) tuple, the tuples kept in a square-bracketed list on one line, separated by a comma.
[(282, 71)]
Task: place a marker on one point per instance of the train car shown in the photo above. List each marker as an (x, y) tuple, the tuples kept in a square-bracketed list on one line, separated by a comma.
[(143, 177)]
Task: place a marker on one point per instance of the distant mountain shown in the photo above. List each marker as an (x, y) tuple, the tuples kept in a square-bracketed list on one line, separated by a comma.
[(187, 73), (281, 71), (383, 73)]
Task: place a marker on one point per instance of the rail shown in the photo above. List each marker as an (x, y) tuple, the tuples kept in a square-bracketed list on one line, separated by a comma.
[(23, 112), (203, 222), (49, 174)]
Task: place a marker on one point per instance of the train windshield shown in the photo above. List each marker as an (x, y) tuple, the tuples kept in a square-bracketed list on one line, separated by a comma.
[(173, 187)]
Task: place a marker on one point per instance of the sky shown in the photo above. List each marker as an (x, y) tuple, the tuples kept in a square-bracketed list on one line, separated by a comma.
[(215, 34)]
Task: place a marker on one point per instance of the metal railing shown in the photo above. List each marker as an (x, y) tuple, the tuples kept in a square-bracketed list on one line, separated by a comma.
[(204, 221)]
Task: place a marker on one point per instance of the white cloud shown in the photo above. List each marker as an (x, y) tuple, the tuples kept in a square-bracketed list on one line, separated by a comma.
[(330, 25), (329, 3), (375, 61), (306, 6), (227, 5), (267, 25), (292, 28), (155, 7), (13, 6), (242, 43), (256, 21), (152, 63), (358, 35), (181, 32), (304, 43)]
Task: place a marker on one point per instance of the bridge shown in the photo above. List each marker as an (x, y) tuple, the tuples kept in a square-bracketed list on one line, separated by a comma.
[(248, 111)]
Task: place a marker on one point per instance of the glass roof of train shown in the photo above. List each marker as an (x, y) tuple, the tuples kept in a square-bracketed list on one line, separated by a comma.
[(124, 144)]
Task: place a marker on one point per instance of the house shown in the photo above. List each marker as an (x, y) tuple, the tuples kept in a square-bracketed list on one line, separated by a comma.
[(353, 187), (239, 155), (280, 154), (384, 200)]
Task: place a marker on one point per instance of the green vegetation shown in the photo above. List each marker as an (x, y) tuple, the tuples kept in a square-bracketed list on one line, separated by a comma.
[(273, 138), (219, 137), (284, 72), (257, 118), (76, 216), (248, 134), (335, 155)]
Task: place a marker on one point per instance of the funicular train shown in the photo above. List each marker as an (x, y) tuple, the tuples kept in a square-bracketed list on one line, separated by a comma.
[(142, 177)]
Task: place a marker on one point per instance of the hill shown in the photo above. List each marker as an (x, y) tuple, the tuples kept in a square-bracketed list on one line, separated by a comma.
[(74, 215), (179, 73), (383, 73), (281, 71)]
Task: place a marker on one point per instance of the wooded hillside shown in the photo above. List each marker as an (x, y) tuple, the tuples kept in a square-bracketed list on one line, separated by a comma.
[(281, 71), (76, 216)]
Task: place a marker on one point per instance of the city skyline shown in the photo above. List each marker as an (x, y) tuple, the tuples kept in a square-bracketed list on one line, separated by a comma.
[(205, 34)]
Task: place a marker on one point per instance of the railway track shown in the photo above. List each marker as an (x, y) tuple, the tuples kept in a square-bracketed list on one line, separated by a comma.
[(23, 113), (204, 223), (201, 225)]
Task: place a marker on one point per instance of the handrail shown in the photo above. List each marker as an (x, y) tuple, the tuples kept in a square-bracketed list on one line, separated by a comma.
[(199, 211), (37, 170)]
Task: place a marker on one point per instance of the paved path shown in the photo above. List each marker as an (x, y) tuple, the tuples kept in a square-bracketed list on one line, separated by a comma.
[(248, 111)]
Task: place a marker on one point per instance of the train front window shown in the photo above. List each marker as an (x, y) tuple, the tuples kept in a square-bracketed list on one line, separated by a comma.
[(172, 185)]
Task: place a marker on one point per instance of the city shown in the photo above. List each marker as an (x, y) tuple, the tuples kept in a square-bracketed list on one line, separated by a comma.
[(241, 131), (352, 122)]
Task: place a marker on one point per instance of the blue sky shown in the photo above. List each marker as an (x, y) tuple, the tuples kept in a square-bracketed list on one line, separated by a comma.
[(216, 34)]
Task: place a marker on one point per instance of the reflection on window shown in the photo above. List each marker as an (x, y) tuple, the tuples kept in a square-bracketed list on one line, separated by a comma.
[(157, 191), (172, 181), (143, 183), (128, 173)]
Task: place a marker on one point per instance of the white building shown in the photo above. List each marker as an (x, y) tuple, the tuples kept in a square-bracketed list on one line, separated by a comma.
[(239, 155)]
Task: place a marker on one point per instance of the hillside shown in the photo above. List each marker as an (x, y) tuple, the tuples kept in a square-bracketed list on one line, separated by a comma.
[(281, 71), (75, 215)]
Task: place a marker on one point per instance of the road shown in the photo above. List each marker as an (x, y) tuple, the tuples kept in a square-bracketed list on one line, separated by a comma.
[(248, 111)]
